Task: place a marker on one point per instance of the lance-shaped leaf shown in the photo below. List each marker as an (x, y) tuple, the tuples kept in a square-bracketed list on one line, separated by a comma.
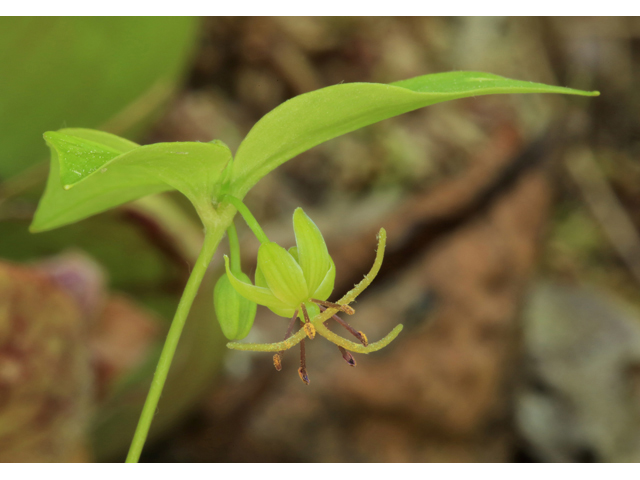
[(312, 118), (93, 171)]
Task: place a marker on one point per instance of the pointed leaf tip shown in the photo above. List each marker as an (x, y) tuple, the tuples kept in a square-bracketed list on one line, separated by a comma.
[(315, 117)]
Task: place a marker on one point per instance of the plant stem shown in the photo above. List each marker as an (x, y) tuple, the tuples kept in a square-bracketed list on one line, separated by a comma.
[(248, 217), (234, 249), (211, 240)]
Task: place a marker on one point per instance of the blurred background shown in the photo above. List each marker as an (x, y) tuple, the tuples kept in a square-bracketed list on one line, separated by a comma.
[(513, 256)]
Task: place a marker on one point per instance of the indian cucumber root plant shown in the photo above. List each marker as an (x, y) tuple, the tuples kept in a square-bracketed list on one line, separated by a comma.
[(93, 171)]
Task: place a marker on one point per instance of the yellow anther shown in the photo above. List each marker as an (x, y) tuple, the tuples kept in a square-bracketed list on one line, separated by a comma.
[(310, 330), (277, 361)]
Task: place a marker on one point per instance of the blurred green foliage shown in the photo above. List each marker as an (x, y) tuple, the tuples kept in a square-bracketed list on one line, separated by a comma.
[(107, 72)]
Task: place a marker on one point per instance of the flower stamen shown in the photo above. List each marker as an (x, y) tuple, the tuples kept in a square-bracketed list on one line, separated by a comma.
[(277, 358), (347, 356), (344, 308), (356, 333), (302, 371), (308, 326), (277, 361)]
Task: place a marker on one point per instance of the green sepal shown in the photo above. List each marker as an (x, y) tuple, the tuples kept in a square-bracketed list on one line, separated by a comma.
[(262, 282), (326, 287), (282, 274), (235, 313), (313, 255), (259, 278), (321, 293), (259, 295), (283, 312)]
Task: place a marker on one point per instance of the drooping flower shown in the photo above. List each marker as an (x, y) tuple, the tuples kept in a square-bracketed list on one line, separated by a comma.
[(297, 280), (296, 284)]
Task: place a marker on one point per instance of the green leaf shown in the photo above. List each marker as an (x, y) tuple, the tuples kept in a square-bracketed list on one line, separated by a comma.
[(310, 119), (85, 151), (94, 171)]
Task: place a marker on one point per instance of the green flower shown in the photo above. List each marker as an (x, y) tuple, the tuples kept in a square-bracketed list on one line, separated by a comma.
[(294, 282)]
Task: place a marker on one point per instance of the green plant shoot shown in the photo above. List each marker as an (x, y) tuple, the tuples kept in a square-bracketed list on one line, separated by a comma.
[(93, 171)]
